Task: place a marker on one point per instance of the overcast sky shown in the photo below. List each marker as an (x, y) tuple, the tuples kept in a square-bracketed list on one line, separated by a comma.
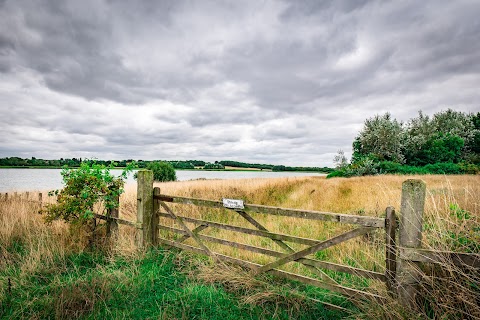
[(281, 82)]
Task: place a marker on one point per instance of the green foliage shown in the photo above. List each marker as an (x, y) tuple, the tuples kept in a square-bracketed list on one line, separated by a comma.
[(182, 165), (162, 171), (238, 164), (273, 167), (158, 285), (337, 174), (34, 162), (447, 143), (370, 167), (381, 137), (439, 148), (213, 166), (340, 160), (85, 187), (466, 238)]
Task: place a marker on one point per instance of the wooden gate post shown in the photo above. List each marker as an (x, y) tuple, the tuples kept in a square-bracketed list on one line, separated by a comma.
[(390, 250), (144, 208), (112, 224), (412, 206)]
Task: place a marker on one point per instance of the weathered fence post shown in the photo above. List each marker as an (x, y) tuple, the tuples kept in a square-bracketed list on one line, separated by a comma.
[(390, 249), (412, 206), (144, 208), (112, 225)]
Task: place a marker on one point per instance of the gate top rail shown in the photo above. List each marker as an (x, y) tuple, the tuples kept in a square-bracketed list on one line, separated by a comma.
[(365, 221)]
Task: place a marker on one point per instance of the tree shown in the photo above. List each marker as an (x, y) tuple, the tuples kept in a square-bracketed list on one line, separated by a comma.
[(162, 171), (421, 133), (440, 148), (340, 160), (382, 138)]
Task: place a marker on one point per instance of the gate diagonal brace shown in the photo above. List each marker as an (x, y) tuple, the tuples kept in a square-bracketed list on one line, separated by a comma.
[(184, 226), (255, 223), (321, 246), (285, 246), (196, 231)]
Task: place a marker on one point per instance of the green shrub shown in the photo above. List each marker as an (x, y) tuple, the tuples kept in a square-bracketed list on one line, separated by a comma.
[(336, 174), (162, 171), (85, 187)]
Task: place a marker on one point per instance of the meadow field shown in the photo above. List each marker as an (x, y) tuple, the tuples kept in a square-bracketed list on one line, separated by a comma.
[(46, 271)]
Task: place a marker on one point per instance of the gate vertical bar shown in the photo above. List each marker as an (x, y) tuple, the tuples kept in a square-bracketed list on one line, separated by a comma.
[(112, 225), (155, 219)]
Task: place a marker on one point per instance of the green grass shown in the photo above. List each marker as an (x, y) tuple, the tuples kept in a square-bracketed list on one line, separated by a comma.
[(158, 284)]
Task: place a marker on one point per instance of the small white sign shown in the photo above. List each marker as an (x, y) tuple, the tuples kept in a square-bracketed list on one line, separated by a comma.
[(233, 203)]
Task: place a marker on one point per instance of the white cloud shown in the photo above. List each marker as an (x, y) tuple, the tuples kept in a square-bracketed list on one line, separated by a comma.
[(282, 82)]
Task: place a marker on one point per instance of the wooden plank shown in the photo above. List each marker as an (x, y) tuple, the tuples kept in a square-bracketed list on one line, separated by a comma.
[(155, 218), (365, 221), (317, 247), (331, 306), (353, 293), (184, 226), (254, 232), (226, 242), (390, 250), (285, 246), (310, 262), (342, 268), (314, 282), (120, 221), (196, 231), (259, 226), (423, 255)]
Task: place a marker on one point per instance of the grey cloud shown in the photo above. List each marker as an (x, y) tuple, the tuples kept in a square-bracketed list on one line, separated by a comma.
[(195, 79)]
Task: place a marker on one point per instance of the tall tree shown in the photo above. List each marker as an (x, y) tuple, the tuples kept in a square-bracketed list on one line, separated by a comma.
[(382, 138)]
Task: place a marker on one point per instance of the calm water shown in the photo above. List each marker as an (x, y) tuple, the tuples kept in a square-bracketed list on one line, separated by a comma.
[(50, 179)]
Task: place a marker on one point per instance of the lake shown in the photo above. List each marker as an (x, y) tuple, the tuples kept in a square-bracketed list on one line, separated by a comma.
[(50, 179)]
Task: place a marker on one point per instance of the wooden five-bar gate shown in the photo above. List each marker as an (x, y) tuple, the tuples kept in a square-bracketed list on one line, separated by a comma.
[(402, 255)]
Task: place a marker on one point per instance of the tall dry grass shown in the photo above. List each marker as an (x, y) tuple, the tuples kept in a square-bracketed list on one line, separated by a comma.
[(452, 212)]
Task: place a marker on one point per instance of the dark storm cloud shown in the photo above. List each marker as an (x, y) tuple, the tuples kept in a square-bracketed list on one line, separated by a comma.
[(245, 80)]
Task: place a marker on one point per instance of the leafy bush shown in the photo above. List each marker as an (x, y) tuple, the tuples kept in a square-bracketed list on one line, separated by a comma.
[(336, 174), (162, 171), (85, 187)]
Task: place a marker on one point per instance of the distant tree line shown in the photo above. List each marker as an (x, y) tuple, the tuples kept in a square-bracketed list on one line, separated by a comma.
[(34, 162), (237, 164), (272, 167), (446, 143), (143, 164)]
